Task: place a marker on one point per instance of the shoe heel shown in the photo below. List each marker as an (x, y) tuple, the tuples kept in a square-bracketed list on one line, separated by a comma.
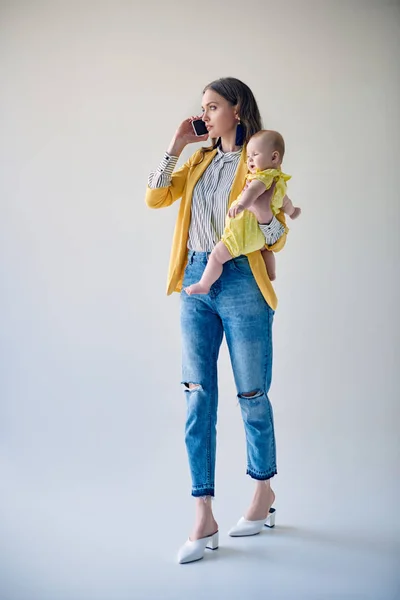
[(213, 542), (270, 522)]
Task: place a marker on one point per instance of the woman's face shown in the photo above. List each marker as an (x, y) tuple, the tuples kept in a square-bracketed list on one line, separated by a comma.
[(219, 115)]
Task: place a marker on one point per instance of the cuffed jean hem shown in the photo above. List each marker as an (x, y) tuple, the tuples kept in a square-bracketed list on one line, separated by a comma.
[(198, 492), (261, 476)]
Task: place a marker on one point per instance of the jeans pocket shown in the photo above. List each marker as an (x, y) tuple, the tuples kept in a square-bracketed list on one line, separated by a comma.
[(241, 265), (192, 274)]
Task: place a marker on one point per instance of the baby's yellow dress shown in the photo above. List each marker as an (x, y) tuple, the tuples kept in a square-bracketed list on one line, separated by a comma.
[(242, 234)]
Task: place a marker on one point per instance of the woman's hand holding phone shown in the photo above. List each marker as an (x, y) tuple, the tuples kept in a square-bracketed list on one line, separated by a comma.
[(184, 135)]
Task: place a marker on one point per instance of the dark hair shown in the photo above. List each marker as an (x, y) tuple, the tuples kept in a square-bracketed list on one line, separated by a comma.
[(237, 93)]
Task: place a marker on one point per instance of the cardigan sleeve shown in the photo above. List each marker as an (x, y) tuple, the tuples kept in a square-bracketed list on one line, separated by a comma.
[(276, 235), (273, 231), (165, 185), (161, 177)]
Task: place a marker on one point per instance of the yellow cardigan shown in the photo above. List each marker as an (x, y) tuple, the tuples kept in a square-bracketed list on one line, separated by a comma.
[(182, 185)]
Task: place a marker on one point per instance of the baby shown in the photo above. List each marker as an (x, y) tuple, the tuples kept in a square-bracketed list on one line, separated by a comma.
[(242, 234)]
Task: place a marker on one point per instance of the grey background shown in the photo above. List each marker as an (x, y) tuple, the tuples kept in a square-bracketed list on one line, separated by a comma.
[(95, 489)]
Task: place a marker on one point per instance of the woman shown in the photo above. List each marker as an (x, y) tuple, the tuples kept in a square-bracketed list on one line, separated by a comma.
[(240, 304)]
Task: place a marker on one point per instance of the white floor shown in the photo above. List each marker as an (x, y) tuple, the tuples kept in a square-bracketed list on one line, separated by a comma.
[(104, 541)]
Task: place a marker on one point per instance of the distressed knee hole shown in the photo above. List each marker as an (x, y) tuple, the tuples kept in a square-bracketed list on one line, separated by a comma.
[(191, 387), (251, 395)]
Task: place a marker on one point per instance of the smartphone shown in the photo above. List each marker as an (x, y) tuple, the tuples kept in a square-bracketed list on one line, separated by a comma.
[(199, 127)]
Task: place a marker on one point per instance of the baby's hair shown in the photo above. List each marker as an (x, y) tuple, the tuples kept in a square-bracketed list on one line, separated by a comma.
[(274, 138)]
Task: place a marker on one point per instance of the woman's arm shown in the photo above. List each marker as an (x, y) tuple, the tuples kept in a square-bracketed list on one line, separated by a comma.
[(165, 186), (275, 233), (162, 176)]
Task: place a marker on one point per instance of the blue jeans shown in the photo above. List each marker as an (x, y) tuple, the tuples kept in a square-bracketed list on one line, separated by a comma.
[(236, 307)]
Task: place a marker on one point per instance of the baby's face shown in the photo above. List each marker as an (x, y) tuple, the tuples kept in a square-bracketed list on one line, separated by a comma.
[(260, 155)]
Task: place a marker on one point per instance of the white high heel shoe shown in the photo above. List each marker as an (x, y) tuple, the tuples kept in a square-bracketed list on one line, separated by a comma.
[(245, 527), (192, 551)]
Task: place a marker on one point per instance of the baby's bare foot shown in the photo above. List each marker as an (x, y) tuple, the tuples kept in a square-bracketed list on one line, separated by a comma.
[(197, 288)]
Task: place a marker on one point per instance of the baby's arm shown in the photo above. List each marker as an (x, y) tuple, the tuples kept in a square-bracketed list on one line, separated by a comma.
[(289, 209), (248, 197)]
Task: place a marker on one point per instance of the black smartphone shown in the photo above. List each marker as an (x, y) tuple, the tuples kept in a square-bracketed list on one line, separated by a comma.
[(199, 127)]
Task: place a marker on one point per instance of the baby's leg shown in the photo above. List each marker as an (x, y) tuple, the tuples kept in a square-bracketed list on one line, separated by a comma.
[(213, 270), (269, 259)]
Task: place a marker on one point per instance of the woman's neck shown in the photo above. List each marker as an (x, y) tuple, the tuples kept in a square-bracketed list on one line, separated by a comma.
[(228, 143)]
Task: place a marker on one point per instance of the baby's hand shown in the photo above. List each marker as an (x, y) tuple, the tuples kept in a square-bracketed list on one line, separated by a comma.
[(235, 210)]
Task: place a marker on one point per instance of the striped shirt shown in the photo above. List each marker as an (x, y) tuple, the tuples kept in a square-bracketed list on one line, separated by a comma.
[(210, 200)]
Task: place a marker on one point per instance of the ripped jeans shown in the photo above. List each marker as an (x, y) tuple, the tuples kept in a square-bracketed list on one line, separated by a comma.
[(236, 307)]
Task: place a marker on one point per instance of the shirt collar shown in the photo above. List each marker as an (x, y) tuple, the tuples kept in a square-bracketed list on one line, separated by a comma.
[(227, 156)]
